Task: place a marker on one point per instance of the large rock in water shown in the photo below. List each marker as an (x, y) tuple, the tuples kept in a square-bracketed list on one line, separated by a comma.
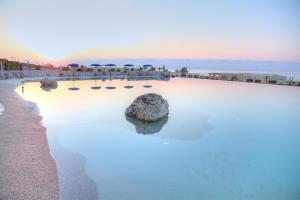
[(148, 107), (47, 83)]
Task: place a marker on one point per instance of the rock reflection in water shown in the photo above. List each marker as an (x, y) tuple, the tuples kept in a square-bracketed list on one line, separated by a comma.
[(144, 127), (192, 126), (48, 89)]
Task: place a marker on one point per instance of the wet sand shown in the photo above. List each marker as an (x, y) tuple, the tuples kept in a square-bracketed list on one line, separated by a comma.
[(27, 169)]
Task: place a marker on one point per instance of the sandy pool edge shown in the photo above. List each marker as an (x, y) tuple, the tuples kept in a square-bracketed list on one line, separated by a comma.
[(27, 168)]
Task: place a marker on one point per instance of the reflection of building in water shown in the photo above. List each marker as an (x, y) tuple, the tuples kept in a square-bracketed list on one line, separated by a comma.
[(137, 78), (249, 77), (242, 77)]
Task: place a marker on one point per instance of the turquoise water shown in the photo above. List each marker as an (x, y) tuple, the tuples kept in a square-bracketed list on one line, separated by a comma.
[(222, 140), (2, 109)]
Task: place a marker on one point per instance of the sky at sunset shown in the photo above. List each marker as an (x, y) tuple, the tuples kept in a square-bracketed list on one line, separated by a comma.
[(59, 31)]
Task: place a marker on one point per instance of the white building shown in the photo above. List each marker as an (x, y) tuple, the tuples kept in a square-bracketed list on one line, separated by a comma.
[(249, 77)]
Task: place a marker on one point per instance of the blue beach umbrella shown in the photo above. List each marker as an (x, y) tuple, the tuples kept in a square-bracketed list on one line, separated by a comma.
[(95, 65), (146, 66), (128, 65), (73, 65), (110, 65)]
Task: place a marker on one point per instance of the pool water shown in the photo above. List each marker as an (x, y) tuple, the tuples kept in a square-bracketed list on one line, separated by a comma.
[(222, 140), (2, 109)]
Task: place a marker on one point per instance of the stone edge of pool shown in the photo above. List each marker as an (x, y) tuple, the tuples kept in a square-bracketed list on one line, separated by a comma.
[(27, 168)]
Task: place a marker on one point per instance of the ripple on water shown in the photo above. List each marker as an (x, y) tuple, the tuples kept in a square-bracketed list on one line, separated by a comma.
[(2, 109)]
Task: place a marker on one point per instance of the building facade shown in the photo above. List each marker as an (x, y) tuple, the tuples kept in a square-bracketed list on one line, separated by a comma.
[(249, 77)]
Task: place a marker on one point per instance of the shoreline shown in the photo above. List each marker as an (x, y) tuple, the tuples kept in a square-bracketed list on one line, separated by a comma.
[(27, 168)]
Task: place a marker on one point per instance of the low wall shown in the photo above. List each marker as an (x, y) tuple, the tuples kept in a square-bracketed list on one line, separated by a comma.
[(10, 74)]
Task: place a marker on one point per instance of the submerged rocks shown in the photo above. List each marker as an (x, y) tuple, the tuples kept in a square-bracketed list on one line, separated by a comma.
[(47, 83), (148, 107)]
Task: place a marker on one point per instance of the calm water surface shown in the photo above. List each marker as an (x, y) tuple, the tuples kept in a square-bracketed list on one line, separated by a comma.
[(222, 140)]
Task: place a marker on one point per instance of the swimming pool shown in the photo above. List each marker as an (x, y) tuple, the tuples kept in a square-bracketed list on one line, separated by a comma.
[(2, 109), (222, 140)]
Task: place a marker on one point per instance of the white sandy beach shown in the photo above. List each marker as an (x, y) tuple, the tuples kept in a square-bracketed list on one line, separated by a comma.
[(28, 171)]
